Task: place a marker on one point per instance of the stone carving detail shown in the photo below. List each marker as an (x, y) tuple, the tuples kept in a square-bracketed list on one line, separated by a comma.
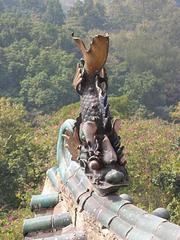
[(100, 150)]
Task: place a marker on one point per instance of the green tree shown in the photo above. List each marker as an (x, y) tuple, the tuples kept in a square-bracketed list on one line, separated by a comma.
[(13, 64), (22, 161), (54, 13), (90, 14), (175, 115), (8, 4), (49, 82), (142, 89), (14, 27), (32, 5)]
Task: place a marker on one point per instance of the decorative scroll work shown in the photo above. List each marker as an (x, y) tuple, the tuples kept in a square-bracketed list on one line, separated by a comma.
[(100, 151)]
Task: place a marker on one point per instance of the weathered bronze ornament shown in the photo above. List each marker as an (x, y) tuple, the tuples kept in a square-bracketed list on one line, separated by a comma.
[(100, 151)]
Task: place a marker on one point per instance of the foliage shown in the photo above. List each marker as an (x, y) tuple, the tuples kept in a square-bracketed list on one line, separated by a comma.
[(175, 115), (11, 223), (144, 50), (47, 127), (91, 14), (150, 46), (119, 106), (141, 89), (152, 152), (47, 85), (54, 13), (22, 161), (33, 70), (151, 148), (37, 64)]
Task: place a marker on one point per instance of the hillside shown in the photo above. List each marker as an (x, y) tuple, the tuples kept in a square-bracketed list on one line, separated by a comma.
[(151, 147), (152, 153), (38, 56), (37, 65)]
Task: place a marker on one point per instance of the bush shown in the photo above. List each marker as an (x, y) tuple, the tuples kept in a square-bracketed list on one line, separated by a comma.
[(119, 106), (151, 149), (11, 223), (175, 115), (23, 162)]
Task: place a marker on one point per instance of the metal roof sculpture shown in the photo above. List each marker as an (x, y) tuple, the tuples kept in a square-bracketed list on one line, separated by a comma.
[(100, 155)]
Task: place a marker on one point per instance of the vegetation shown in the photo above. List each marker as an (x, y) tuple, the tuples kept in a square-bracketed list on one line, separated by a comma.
[(175, 115), (38, 57), (11, 223), (23, 161), (151, 147), (37, 64)]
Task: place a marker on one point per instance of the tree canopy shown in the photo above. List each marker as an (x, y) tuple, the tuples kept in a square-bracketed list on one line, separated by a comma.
[(22, 161), (37, 65), (38, 57)]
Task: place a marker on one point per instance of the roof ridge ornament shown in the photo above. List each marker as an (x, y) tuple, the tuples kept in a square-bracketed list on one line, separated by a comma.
[(95, 57), (100, 151)]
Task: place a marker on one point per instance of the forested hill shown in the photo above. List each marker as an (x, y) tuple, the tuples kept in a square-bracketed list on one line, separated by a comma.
[(38, 57), (37, 65)]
